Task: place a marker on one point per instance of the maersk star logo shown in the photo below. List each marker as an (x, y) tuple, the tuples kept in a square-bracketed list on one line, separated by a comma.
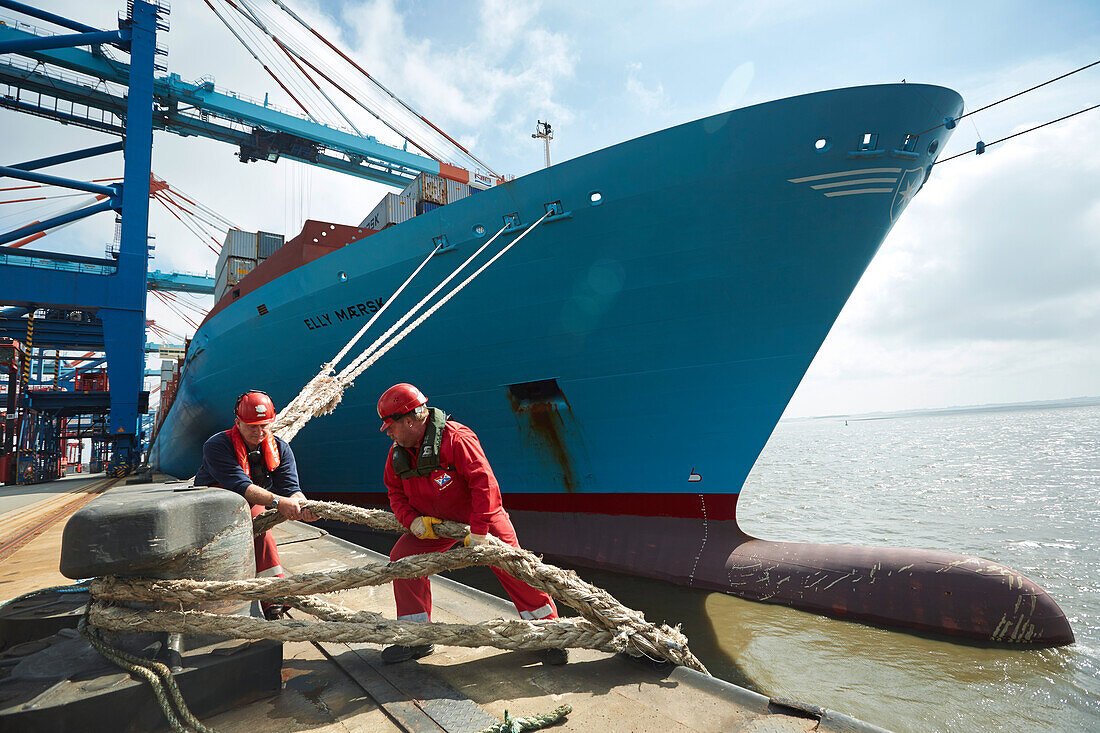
[(907, 188), (443, 479)]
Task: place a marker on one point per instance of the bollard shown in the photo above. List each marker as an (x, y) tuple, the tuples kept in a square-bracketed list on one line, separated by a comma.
[(151, 531), (163, 531)]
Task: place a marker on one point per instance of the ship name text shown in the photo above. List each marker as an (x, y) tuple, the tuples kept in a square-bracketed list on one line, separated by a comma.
[(347, 313)]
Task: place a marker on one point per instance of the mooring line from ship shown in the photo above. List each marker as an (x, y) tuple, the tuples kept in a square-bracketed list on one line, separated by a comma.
[(349, 373), (298, 407), (401, 321), (295, 405), (1011, 96), (359, 334), (323, 393), (985, 146)]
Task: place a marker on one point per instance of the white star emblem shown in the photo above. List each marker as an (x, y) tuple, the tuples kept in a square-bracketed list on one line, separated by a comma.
[(910, 183)]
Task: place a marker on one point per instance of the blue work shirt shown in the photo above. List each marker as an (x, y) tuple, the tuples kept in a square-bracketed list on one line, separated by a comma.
[(220, 468)]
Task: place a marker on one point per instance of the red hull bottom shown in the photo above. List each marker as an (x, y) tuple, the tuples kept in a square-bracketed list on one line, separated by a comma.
[(921, 590)]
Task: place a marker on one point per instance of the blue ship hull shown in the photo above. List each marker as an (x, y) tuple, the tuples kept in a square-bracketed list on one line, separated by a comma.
[(677, 316), (624, 364)]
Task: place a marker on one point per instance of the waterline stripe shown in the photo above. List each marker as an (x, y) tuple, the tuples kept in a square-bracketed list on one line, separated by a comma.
[(860, 190), (860, 172), (854, 182)]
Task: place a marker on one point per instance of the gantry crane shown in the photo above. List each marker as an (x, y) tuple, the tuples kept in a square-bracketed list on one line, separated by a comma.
[(130, 100)]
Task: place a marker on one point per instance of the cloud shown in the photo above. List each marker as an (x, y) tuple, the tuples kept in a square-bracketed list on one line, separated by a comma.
[(1006, 248), (650, 99), (488, 91), (988, 289)]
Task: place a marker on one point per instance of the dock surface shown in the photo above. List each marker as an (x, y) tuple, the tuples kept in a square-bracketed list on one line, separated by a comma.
[(345, 687)]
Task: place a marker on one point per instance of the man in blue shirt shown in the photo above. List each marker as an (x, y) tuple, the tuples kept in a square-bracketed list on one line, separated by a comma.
[(259, 466)]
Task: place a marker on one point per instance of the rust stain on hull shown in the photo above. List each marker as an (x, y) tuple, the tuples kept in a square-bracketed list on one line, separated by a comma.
[(538, 405)]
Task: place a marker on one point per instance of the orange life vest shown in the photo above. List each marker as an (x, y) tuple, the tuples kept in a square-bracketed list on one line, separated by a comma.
[(268, 448)]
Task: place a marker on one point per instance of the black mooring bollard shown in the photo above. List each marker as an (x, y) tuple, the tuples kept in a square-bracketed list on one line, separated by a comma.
[(163, 531), (153, 531)]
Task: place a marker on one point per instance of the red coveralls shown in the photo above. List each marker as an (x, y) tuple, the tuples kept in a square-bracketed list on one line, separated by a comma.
[(466, 493)]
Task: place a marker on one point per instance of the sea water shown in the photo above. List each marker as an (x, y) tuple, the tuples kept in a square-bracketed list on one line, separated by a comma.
[(1020, 487)]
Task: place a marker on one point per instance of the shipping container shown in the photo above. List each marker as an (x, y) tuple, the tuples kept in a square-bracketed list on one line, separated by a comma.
[(236, 268), (232, 272), (91, 381), (11, 352), (267, 244), (392, 209), (427, 187), (456, 191), (423, 207), (238, 244)]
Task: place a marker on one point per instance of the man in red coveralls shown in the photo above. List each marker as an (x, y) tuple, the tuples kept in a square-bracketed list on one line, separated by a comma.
[(437, 470), (259, 466)]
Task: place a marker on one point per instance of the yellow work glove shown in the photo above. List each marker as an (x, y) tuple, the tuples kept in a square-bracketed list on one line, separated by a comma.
[(473, 540), (422, 527)]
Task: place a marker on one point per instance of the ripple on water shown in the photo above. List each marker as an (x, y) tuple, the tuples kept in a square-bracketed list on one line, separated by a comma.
[(1019, 488)]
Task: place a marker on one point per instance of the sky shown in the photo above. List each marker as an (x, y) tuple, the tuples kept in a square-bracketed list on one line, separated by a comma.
[(987, 290)]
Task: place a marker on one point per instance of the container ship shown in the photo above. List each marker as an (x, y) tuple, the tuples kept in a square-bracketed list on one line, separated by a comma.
[(625, 364)]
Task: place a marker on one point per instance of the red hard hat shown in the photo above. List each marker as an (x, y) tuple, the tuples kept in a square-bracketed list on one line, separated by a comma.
[(255, 408), (398, 400)]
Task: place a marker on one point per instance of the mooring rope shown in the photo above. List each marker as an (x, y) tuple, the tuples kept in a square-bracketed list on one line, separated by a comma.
[(322, 394), (157, 675), (607, 624), (531, 722)]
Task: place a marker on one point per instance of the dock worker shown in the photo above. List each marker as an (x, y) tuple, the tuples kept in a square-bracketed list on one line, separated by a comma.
[(259, 466), (437, 470)]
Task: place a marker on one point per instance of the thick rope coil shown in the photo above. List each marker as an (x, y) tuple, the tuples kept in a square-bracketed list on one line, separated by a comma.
[(511, 634), (598, 607)]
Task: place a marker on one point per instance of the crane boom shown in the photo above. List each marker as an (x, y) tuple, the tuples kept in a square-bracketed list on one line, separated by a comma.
[(260, 131)]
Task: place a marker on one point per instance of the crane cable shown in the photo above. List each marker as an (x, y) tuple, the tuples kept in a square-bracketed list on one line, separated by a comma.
[(260, 61), (252, 17), (292, 73), (405, 109), (404, 133)]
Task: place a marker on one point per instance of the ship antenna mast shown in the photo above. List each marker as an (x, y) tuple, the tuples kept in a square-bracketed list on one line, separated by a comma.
[(542, 129)]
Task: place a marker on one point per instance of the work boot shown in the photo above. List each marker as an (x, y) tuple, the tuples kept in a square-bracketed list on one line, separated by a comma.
[(273, 611), (398, 653), (555, 657)]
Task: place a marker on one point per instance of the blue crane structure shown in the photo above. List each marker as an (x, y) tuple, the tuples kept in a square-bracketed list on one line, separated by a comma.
[(180, 282), (130, 100), (117, 298)]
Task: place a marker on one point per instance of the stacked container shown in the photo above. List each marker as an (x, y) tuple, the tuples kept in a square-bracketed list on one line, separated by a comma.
[(429, 188), (267, 244), (392, 209), (167, 371), (426, 192), (241, 252)]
